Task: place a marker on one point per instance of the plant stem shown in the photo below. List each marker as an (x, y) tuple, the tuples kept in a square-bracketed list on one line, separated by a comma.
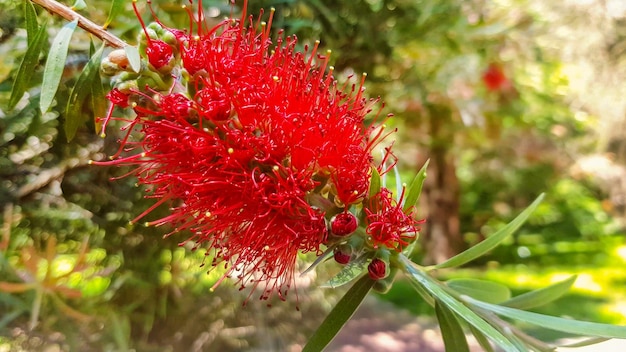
[(83, 22)]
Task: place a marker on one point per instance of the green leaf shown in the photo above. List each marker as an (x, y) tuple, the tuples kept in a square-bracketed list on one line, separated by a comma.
[(415, 189), (30, 15), (27, 67), (491, 241), (482, 339), (117, 7), (349, 272), (132, 53), (486, 291), (586, 342), (451, 330), (436, 289), (374, 183), (555, 323), (98, 98), (539, 297), (338, 317), (79, 5), (73, 112), (55, 64)]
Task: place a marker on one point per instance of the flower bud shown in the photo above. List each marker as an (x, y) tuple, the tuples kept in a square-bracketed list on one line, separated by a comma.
[(343, 224), (378, 269), (343, 254), (384, 285)]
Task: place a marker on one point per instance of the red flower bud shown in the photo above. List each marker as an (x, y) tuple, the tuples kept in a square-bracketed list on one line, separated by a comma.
[(343, 254), (378, 269), (343, 224), (159, 53)]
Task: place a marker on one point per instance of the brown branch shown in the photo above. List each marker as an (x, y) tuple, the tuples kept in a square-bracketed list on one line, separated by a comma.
[(84, 23)]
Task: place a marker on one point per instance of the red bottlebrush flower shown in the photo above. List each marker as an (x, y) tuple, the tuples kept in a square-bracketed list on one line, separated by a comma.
[(494, 78), (343, 224), (378, 269), (387, 224), (239, 159)]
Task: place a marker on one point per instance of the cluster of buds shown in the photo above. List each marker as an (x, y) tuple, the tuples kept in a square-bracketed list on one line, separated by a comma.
[(257, 150)]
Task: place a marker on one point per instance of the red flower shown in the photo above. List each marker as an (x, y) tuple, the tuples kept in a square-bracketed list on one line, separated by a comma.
[(387, 224), (494, 78), (239, 159)]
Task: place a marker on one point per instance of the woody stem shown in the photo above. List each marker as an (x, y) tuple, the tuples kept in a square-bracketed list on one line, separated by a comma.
[(83, 22)]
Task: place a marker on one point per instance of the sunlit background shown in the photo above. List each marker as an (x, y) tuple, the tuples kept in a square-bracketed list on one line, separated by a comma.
[(507, 98)]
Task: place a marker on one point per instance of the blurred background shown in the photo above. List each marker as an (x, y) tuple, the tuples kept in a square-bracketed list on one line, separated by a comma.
[(507, 98)]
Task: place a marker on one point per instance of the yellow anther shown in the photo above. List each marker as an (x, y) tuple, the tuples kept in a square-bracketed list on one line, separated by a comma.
[(208, 214), (134, 105), (267, 248), (275, 78), (231, 150)]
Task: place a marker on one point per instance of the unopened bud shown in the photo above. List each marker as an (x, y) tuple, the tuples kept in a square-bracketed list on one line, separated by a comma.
[(378, 269), (343, 254), (343, 224), (384, 285)]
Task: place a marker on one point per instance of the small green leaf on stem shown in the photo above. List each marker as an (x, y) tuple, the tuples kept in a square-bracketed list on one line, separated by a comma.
[(55, 64), (27, 67), (486, 291), (132, 53), (415, 189), (451, 330), (338, 317), (491, 241), (539, 297), (79, 5)]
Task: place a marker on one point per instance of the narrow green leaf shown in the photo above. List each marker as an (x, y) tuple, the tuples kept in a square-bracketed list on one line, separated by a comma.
[(482, 339), (132, 53), (73, 112), (55, 64), (451, 330), (415, 189), (27, 67), (555, 323), (98, 97), (539, 297), (374, 183), (327, 254), (117, 7), (491, 241), (349, 272), (338, 317), (436, 289), (482, 290), (586, 342), (32, 27)]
